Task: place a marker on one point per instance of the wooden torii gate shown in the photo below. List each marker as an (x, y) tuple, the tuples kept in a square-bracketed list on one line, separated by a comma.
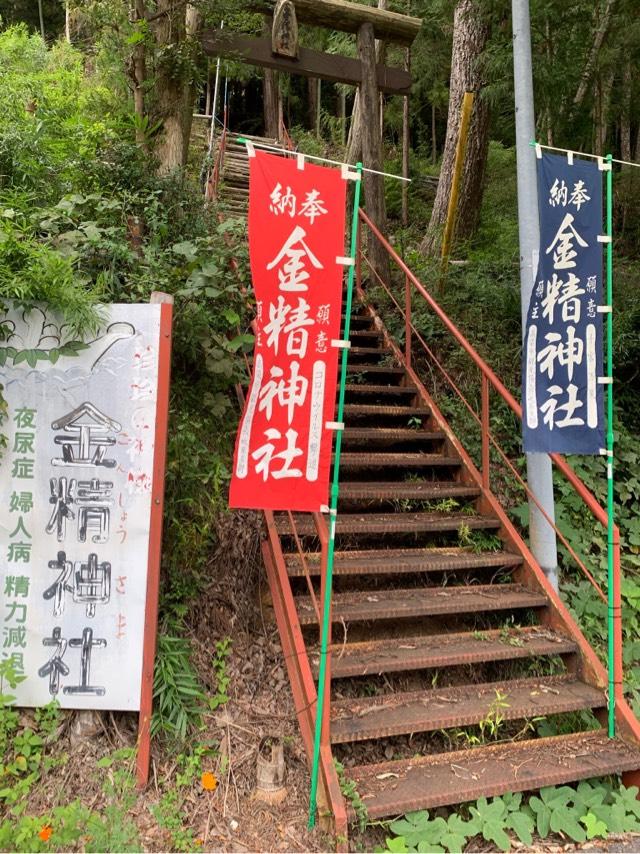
[(282, 52)]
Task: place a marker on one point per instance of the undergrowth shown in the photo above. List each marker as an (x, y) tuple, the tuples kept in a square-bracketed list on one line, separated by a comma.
[(589, 811)]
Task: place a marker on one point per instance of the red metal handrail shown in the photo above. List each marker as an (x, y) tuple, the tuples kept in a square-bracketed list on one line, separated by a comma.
[(487, 437), (213, 181), (286, 138), (489, 378)]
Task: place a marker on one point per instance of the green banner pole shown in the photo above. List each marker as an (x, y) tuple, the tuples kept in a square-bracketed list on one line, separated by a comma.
[(333, 511), (610, 443)]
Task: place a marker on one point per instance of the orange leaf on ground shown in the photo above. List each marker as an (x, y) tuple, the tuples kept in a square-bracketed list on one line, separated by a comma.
[(209, 781)]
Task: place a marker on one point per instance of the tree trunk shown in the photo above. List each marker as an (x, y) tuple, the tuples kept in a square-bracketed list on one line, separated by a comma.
[(171, 92), (208, 100), (406, 145), (434, 138), (592, 56), (271, 103), (603, 101), (67, 22), (372, 148), (342, 115), (312, 102), (41, 16), (470, 34), (354, 143), (318, 108), (193, 26), (271, 98), (625, 119), (138, 74)]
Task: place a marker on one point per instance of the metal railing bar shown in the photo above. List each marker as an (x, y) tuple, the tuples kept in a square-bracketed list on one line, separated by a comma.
[(596, 509), (492, 439), (305, 565)]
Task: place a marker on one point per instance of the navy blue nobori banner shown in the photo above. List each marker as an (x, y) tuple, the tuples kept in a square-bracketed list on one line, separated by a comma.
[(562, 400)]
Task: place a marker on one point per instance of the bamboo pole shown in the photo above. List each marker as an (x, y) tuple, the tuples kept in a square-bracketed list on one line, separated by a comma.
[(613, 580), (333, 512)]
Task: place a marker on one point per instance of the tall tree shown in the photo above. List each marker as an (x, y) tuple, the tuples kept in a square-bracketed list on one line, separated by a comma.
[(372, 155), (470, 35), (138, 66), (602, 18), (354, 140), (176, 26)]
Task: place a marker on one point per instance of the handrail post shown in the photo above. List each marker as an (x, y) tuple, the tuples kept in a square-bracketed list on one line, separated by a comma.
[(359, 256), (407, 321), (486, 461)]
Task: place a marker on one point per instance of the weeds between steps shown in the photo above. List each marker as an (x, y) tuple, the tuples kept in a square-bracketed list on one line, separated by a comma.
[(593, 810), (350, 793)]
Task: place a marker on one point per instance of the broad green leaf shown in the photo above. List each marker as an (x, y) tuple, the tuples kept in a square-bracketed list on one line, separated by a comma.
[(397, 845), (187, 249), (564, 821), (453, 842), (543, 816), (493, 831), (512, 800), (523, 825), (594, 826), (413, 822)]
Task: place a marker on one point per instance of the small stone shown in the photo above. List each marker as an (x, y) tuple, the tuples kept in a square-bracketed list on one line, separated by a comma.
[(233, 824)]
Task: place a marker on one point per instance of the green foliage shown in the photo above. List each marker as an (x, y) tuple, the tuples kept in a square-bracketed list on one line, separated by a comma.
[(178, 697), (352, 796), (84, 220), (169, 811), (591, 810), (74, 825), (219, 664)]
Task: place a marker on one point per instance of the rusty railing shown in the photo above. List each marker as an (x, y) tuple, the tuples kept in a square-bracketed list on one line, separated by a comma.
[(213, 181), (489, 380)]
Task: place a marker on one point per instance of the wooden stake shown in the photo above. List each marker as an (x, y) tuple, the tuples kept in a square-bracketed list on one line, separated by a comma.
[(405, 147), (461, 150)]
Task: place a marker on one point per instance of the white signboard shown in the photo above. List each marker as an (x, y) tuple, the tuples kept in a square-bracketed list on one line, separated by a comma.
[(75, 505)]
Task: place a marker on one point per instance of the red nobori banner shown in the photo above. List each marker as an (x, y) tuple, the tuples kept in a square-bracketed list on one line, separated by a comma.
[(296, 242)]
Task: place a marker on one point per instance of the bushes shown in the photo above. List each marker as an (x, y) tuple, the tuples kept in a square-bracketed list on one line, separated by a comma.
[(84, 219)]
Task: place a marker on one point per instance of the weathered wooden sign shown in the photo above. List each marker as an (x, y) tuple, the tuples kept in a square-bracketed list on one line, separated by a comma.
[(81, 482)]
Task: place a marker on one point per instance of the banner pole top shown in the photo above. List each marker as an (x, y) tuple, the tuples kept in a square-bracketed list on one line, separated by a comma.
[(608, 158), (243, 141)]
